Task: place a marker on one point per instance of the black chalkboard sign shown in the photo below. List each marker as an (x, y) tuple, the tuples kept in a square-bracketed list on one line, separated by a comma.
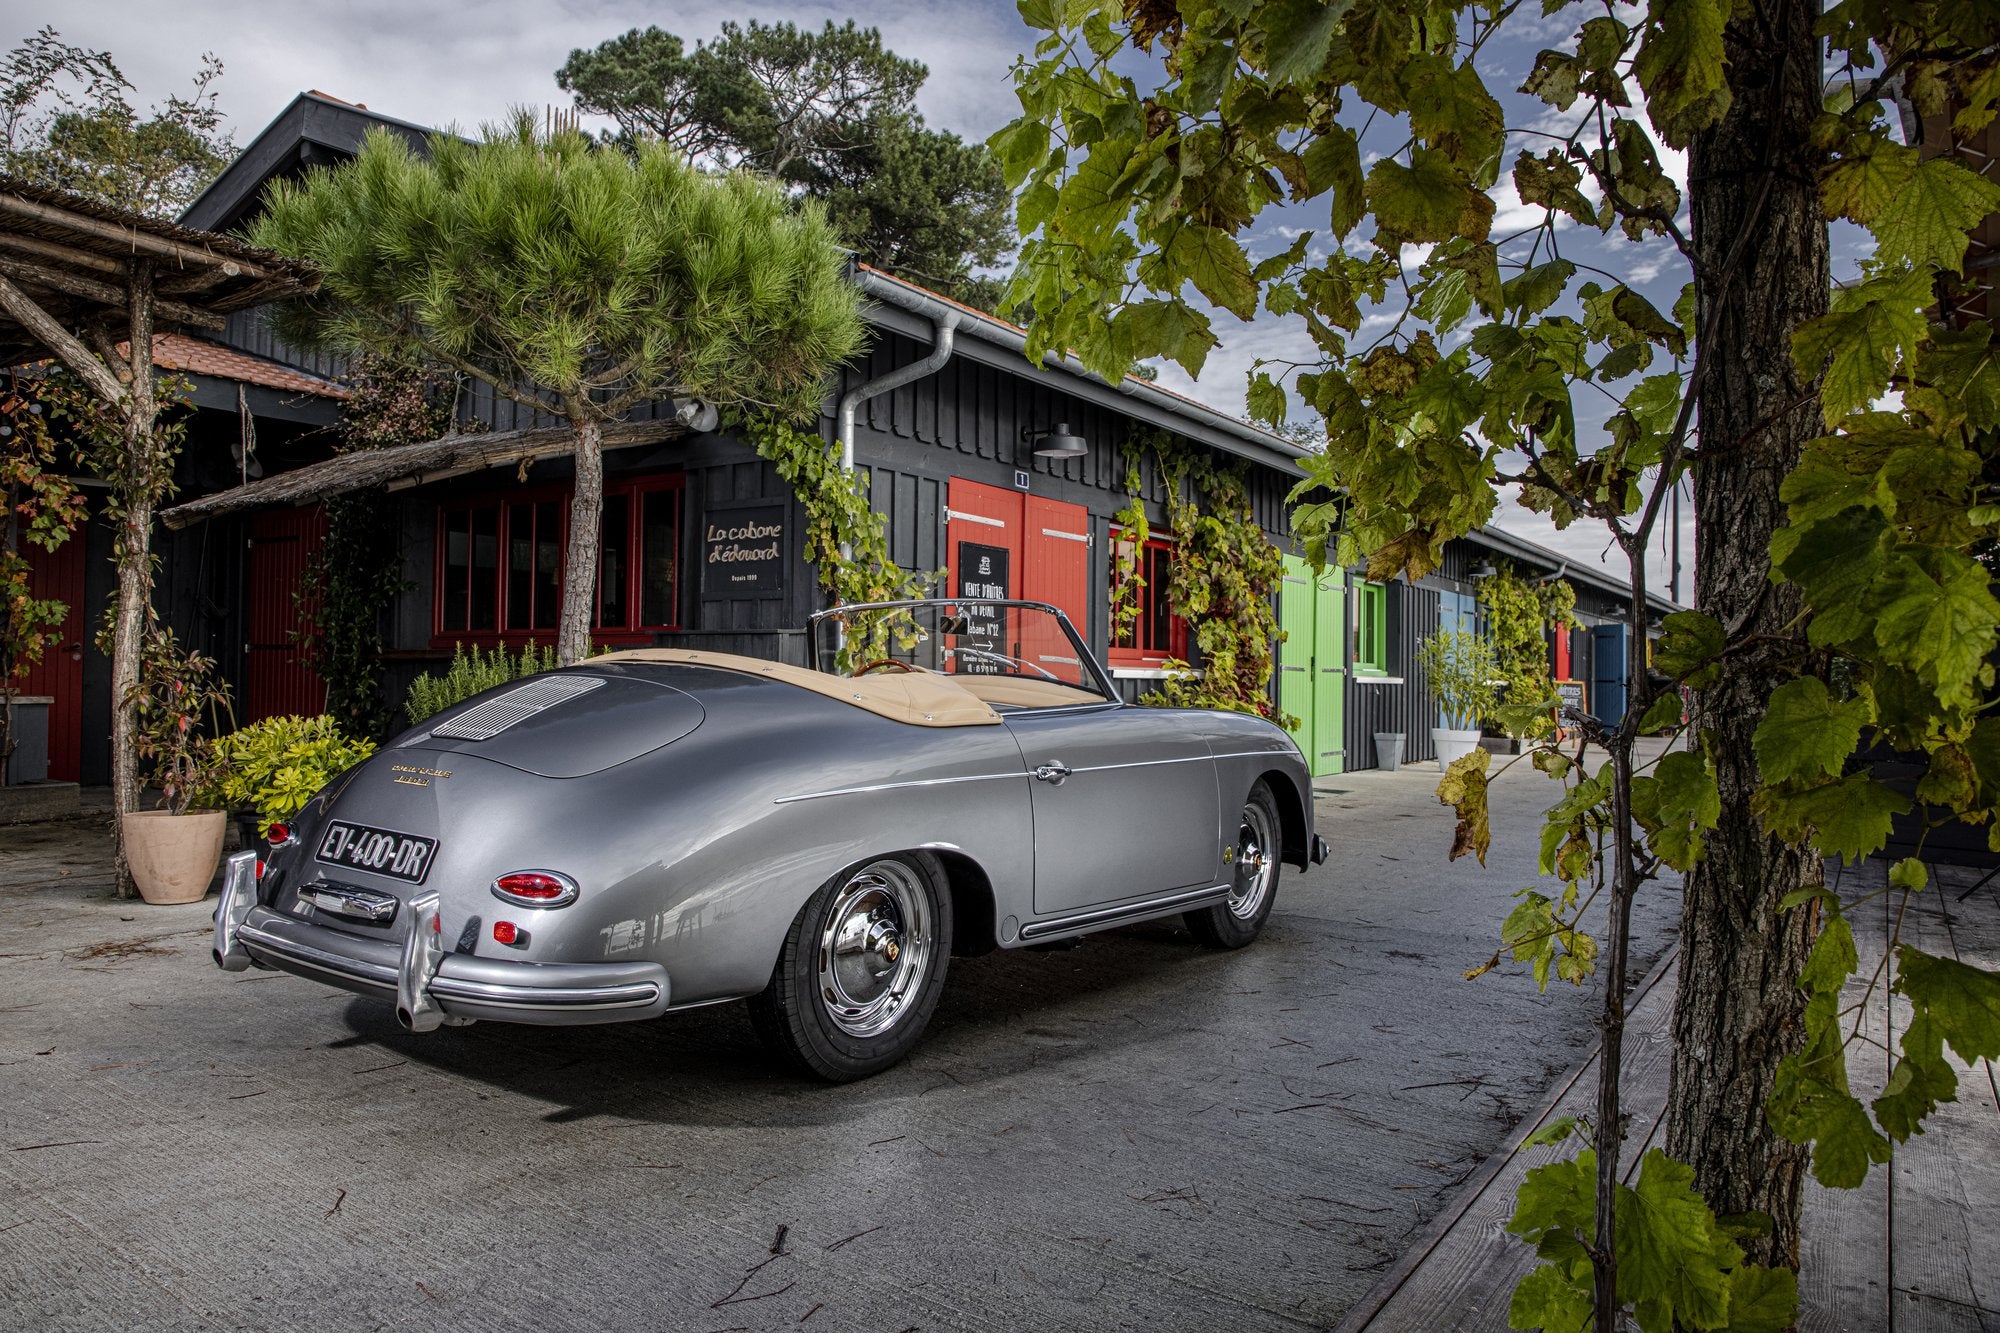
[(1572, 695), (984, 571), (743, 551)]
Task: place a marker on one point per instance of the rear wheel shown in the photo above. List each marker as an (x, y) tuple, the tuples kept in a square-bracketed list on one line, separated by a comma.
[(1254, 863), (861, 970)]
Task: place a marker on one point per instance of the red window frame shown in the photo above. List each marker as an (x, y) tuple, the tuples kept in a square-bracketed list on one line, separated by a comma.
[(1157, 634), (625, 504)]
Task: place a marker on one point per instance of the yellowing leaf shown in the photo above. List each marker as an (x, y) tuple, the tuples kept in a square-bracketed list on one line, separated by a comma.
[(1463, 788), (1429, 200), (1682, 67), (1212, 260), (1928, 219)]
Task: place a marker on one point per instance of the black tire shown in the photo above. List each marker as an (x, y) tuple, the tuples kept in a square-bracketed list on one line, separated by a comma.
[(1256, 863), (839, 1014)]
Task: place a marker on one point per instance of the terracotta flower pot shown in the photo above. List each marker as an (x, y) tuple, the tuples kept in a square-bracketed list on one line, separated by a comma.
[(173, 857)]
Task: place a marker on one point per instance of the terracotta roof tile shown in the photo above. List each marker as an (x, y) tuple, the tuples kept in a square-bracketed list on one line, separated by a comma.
[(196, 356)]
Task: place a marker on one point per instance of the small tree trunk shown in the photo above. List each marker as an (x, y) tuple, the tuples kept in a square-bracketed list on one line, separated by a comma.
[(138, 490), (1739, 1007), (586, 508)]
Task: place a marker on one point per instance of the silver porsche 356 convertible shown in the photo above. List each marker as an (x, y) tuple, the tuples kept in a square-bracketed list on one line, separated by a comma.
[(664, 828)]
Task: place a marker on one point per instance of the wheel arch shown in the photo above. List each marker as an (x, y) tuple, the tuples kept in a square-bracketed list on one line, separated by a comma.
[(1292, 816), (974, 930)]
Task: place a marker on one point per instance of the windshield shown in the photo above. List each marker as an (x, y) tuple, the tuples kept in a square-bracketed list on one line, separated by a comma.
[(1012, 654)]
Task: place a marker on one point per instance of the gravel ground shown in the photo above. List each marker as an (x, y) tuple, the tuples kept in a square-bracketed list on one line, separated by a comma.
[(1130, 1134)]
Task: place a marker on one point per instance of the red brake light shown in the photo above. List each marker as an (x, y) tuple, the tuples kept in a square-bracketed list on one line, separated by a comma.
[(536, 888), (504, 932), (280, 834)]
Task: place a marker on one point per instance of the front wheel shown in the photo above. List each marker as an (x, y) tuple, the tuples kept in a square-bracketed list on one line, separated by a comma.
[(1254, 862), (861, 970)]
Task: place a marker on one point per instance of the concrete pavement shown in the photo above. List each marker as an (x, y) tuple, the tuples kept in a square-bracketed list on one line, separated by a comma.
[(1134, 1133)]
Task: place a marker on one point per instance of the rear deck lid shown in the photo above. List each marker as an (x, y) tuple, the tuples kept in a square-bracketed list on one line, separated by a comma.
[(563, 724)]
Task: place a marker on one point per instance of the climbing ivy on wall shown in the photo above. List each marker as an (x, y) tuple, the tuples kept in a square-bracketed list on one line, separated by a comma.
[(1518, 613), (847, 541), (1223, 579)]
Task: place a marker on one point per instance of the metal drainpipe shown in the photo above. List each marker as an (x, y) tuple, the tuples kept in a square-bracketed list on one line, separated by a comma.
[(944, 331)]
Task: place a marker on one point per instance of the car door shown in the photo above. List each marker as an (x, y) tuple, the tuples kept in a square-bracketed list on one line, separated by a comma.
[(1124, 802)]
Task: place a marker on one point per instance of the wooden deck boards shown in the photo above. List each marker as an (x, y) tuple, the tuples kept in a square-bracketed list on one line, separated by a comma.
[(1915, 1249)]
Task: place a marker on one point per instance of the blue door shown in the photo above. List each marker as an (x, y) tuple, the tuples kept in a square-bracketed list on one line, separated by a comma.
[(1607, 673)]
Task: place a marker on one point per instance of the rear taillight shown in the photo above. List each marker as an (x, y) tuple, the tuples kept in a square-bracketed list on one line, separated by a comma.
[(535, 888), (280, 834)]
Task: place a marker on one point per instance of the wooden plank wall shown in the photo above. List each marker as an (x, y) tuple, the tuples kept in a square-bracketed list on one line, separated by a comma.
[(1412, 613)]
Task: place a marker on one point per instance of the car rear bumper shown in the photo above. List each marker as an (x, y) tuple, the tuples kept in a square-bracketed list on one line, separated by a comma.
[(459, 986)]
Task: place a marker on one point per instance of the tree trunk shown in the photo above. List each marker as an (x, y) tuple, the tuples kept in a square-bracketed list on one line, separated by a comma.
[(138, 490), (586, 508), (1739, 1008)]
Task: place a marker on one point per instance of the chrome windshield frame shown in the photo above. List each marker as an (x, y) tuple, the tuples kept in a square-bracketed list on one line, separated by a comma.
[(1085, 658)]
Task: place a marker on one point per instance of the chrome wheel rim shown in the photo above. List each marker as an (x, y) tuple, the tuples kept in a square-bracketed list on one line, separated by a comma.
[(875, 949), (1256, 863)]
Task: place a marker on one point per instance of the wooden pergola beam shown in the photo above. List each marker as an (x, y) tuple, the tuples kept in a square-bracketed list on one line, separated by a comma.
[(73, 354), (63, 254), (104, 293), (139, 241)]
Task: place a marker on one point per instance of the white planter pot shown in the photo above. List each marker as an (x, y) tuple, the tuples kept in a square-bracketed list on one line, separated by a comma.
[(173, 857), (1453, 744)]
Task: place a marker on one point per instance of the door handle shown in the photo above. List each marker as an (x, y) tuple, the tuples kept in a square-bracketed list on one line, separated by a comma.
[(1053, 772)]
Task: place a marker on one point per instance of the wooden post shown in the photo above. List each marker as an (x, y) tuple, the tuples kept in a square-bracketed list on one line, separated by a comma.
[(137, 490)]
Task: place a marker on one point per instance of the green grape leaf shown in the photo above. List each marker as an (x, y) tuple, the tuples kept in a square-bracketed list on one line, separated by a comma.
[(1663, 714), (1688, 647), (1265, 400), (1921, 1080), (1687, 805), (1963, 1001), (1554, 1132), (1451, 109), (1837, 561), (1429, 200), (1670, 1253), (1211, 259), (1534, 290), (1875, 326), (1865, 183), (1555, 1298), (1297, 33), (1938, 616), (1847, 818), (1529, 934), (1762, 1300), (1926, 220), (1807, 733), (1560, 1196), (1682, 67)]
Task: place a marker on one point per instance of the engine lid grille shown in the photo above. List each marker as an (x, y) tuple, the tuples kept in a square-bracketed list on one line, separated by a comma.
[(485, 720)]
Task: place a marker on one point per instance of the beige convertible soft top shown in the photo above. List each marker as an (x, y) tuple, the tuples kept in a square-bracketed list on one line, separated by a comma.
[(920, 698)]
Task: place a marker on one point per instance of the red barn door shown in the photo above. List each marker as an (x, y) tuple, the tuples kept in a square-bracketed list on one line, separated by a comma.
[(283, 543), (58, 575)]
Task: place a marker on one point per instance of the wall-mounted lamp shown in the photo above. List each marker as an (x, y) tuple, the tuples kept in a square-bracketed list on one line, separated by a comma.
[(1484, 570), (1057, 443)]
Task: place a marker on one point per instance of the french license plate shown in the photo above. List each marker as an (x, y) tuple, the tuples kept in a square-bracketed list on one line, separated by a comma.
[(403, 856)]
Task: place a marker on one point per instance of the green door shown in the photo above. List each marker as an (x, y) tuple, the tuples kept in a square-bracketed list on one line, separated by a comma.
[(1312, 662), (1329, 676), (1295, 654)]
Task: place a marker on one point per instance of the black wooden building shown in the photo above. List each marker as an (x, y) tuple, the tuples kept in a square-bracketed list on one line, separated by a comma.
[(946, 412)]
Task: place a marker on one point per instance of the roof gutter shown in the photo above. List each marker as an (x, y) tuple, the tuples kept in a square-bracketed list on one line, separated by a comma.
[(892, 291)]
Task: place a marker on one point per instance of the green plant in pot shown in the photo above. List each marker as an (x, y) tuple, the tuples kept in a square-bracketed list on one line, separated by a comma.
[(270, 769), (1464, 679), (178, 704)]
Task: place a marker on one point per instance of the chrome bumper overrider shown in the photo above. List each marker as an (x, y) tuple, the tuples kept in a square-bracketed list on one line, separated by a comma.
[(429, 986)]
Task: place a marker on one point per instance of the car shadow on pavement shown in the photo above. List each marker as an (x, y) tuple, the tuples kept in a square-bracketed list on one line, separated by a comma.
[(1001, 1014)]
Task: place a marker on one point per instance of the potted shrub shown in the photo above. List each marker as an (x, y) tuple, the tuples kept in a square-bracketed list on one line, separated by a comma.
[(1463, 677), (270, 769), (174, 850)]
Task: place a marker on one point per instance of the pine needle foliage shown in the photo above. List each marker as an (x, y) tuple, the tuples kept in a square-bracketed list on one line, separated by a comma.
[(575, 280)]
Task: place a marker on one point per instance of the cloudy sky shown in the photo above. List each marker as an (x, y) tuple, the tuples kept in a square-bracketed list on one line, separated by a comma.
[(464, 63)]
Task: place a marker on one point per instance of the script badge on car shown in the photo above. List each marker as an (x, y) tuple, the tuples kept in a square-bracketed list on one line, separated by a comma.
[(403, 856)]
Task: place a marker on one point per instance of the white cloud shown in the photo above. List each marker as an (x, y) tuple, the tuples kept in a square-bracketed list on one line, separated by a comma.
[(438, 63)]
